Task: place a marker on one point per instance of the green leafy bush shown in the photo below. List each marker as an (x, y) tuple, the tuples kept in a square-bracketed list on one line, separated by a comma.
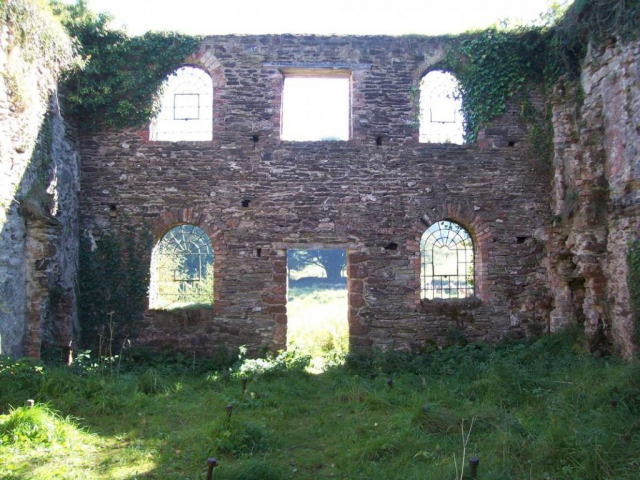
[(122, 75), (239, 437), (255, 469), (272, 365), (38, 425), (20, 380), (152, 382)]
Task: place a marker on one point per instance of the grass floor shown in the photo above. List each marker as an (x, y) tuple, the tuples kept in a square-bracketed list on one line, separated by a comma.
[(317, 324), (539, 411)]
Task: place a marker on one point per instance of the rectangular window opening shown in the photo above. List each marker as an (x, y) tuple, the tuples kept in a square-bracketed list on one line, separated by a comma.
[(316, 107)]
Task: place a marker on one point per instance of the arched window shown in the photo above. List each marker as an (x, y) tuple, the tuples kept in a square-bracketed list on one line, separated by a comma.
[(186, 108), (447, 269), (441, 119), (182, 269)]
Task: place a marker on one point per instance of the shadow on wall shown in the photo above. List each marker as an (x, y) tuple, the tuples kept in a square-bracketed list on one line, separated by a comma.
[(38, 234)]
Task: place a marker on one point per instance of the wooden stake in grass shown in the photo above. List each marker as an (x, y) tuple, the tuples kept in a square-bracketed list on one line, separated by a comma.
[(390, 382), (30, 403), (211, 464), (229, 408), (244, 388), (473, 466)]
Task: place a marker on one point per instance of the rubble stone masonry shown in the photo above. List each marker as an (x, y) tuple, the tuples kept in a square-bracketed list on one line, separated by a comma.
[(38, 208), (257, 196), (596, 199), (550, 241)]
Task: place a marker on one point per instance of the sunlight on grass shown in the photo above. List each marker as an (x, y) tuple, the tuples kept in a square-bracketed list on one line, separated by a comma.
[(545, 409), (39, 444), (317, 324)]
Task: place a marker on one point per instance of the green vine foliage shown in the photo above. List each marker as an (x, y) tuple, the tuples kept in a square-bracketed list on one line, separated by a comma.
[(113, 285), (586, 21), (633, 281), (493, 66), (122, 76), (37, 44)]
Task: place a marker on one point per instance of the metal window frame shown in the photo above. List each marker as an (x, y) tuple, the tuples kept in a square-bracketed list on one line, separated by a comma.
[(175, 95), (461, 283)]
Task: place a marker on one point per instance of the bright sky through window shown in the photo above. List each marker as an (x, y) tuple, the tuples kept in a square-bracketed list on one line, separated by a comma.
[(186, 111), (315, 109), (441, 118)]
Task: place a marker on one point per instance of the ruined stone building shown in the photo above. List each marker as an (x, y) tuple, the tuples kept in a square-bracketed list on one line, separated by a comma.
[(547, 250)]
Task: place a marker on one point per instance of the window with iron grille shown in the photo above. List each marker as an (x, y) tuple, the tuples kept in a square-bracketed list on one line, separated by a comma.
[(182, 269), (447, 262), (186, 107)]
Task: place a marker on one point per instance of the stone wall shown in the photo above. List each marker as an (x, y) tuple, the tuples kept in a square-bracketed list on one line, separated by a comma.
[(374, 195), (595, 199), (38, 199)]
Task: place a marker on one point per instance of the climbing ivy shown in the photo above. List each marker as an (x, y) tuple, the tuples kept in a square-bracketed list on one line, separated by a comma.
[(122, 75), (113, 283), (37, 32), (495, 65), (633, 281), (588, 21)]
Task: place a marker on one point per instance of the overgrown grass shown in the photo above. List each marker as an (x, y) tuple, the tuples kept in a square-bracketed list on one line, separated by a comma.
[(546, 410), (317, 324)]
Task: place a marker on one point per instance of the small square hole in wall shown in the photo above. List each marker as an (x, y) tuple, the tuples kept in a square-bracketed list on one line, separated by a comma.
[(316, 108)]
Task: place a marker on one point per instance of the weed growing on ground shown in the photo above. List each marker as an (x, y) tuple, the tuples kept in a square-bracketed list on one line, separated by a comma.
[(39, 425)]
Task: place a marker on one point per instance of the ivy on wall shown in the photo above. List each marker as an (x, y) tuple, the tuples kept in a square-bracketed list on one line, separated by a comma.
[(122, 76), (588, 21), (495, 65), (113, 285)]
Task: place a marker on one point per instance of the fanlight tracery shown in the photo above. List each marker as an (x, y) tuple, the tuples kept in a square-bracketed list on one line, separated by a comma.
[(447, 262), (182, 269)]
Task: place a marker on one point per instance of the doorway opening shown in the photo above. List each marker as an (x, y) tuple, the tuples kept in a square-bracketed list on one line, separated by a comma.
[(317, 306)]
